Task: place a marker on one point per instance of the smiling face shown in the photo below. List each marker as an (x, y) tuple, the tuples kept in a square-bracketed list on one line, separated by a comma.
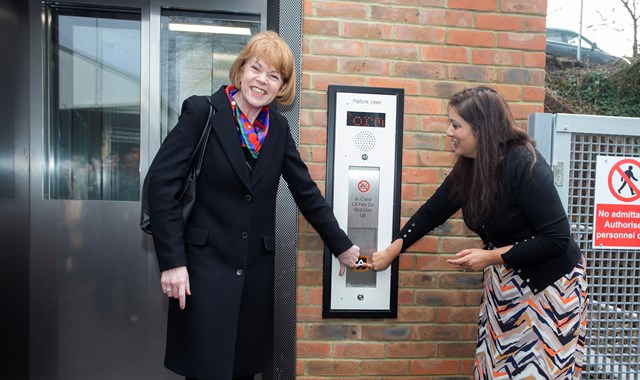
[(260, 82), (463, 140)]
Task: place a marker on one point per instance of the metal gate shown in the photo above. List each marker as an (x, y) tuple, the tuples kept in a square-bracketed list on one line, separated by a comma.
[(571, 143)]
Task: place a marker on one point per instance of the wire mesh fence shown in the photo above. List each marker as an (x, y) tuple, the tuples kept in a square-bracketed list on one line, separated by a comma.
[(613, 331)]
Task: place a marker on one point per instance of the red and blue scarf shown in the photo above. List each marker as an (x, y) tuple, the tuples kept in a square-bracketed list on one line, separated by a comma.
[(251, 135)]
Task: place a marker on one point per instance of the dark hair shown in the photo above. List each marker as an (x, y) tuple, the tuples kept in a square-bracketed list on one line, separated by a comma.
[(477, 182)]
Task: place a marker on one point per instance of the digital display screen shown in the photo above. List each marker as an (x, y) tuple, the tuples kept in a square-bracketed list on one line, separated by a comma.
[(365, 119)]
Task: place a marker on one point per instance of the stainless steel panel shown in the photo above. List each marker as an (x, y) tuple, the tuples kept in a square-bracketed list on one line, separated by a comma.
[(362, 221), (14, 194)]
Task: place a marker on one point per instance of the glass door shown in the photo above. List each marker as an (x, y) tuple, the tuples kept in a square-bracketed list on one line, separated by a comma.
[(196, 53), (94, 132)]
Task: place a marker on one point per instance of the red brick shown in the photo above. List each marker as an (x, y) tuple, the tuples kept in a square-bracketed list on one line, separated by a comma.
[(405, 297), (319, 63), (326, 331), (392, 51), (536, 7), (419, 175), (335, 47), (308, 313), (313, 349), (313, 135), (443, 53), (417, 280), (442, 90), (313, 99), (420, 33), (522, 41), (533, 94), (436, 158), (359, 350), (411, 350), (458, 315), (436, 297), (367, 30), (403, 15), (427, 243), (471, 38), (456, 350), (309, 277), (522, 111), (410, 86), (416, 314), (535, 24), (332, 367), (435, 332), (419, 70), (497, 21), (363, 66), (479, 5), (322, 82), (384, 367), (535, 60), (472, 73), (422, 105), (423, 3), (321, 27), (386, 332), (341, 10), (496, 57), (319, 154), (510, 93), (406, 262), (435, 367), (445, 17), (314, 296)]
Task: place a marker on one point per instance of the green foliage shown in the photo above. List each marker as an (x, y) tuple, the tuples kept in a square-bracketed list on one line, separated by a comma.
[(608, 91)]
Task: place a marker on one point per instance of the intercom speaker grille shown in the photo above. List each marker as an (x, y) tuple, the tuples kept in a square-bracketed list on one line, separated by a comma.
[(365, 141)]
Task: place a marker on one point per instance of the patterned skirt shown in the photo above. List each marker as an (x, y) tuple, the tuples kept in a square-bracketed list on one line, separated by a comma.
[(524, 335)]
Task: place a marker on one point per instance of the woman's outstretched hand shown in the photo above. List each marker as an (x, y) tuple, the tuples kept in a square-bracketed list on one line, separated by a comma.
[(382, 259), (348, 258), (476, 259)]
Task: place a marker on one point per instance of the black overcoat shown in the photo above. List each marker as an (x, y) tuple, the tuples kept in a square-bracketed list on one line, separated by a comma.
[(228, 243)]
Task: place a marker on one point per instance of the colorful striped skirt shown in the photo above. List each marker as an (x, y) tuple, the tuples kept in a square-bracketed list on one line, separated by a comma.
[(523, 335)]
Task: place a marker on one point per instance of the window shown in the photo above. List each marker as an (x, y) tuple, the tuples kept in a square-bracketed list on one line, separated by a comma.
[(93, 136), (197, 51)]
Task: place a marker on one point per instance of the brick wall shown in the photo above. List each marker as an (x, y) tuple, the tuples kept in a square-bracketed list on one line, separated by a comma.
[(432, 49)]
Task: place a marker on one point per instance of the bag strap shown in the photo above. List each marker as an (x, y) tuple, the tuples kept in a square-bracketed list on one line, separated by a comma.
[(202, 143)]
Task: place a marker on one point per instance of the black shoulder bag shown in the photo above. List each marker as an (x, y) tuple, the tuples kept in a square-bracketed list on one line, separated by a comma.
[(188, 194)]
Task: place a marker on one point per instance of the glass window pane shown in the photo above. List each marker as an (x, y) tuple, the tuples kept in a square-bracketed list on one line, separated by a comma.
[(197, 50), (94, 132)]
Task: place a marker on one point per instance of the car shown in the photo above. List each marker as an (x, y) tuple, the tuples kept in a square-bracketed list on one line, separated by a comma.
[(564, 43)]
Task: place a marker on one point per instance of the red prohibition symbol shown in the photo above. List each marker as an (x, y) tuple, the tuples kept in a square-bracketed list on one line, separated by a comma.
[(625, 178), (364, 186)]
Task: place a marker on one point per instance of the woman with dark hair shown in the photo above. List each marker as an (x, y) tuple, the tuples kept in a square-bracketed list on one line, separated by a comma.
[(217, 268), (532, 318)]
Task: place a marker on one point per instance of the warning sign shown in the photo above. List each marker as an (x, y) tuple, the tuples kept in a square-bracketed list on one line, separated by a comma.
[(617, 203)]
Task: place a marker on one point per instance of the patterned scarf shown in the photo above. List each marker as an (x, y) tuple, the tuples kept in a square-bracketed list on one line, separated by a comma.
[(251, 135)]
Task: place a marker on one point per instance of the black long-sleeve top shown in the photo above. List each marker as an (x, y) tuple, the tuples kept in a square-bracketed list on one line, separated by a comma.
[(529, 216)]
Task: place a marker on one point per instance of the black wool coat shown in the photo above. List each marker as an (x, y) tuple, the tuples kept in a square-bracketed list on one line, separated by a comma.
[(228, 243)]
